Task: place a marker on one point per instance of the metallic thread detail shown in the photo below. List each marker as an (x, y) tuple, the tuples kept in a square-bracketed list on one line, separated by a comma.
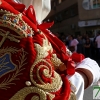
[(74, 88), (15, 22), (72, 96), (8, 50), (6, 35), (21, 62), (72, 93), (51, 96), (21, 95), (55, 60), (48, 87), (45, 64), (42, 51)]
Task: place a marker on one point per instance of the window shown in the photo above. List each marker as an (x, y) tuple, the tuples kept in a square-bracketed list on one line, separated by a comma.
[(91, 4)]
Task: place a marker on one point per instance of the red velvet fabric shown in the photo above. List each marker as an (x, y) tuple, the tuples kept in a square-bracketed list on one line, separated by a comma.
[(28, 45)]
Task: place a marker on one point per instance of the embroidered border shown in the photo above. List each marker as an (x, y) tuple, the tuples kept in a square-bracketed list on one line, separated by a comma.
[(15, 22)]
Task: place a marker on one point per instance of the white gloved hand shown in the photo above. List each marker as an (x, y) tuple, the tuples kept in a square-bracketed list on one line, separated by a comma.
[(92, 66)]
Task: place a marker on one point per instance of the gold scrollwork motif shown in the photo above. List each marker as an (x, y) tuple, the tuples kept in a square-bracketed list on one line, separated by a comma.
[(55, 60), (21, 62), (47, 72), (45, 64), (21, 95)]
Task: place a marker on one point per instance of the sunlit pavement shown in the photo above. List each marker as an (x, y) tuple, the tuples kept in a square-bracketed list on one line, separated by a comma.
[(88, 94)]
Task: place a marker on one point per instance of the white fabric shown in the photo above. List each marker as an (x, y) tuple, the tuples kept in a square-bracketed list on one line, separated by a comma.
[(42, 8), (91, 65), (98, 41), (78, 81)]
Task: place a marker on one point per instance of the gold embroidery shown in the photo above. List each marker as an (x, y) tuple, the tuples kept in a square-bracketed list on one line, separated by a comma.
[(55, 60), (6, 35), (8, 50), (42, 52), (15, 22), (72, 96), (51, 96), (20, 95), (72, 93), (8, 81), (56, 80)]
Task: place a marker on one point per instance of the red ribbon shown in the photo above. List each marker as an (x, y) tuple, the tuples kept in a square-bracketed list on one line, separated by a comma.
[(75, 58)]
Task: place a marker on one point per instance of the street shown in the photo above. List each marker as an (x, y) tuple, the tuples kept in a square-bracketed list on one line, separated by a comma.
[(88, 95)]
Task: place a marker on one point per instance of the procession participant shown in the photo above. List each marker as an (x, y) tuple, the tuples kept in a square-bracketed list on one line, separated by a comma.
[(86, 74), (28, 58), (33, 66)]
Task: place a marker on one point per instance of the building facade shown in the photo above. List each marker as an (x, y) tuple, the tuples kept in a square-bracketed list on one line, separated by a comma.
[(75, 17), (89, 15)]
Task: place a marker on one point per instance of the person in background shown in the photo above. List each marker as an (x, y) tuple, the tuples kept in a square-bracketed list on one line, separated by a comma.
[(87, 47), (72, 43), (80, 44), (35, 64), (97, 40)]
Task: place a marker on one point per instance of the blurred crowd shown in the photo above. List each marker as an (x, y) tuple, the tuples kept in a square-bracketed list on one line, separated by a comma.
[(90, 47)]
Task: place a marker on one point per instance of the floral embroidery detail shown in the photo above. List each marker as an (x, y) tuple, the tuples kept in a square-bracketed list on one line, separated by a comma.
[(21, 62)]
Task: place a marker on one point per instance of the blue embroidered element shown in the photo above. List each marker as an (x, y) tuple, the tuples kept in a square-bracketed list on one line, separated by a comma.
[(23, 27), (15, 21), (5, 17), (6, 65)]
